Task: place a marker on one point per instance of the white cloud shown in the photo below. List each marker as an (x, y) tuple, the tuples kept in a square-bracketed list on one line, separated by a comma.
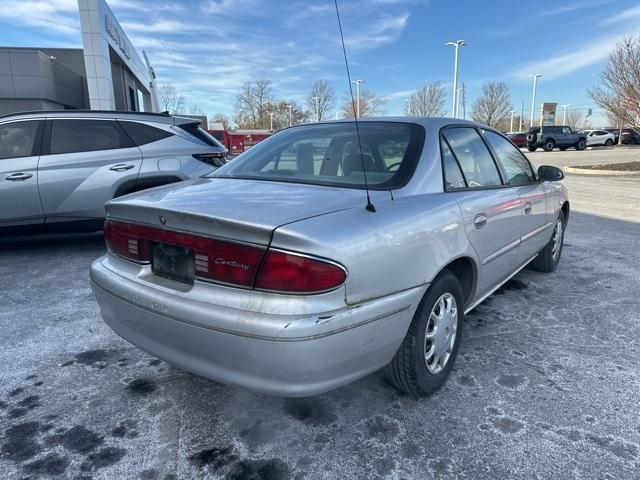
[(386, 29), (60, 16), (556, 66)]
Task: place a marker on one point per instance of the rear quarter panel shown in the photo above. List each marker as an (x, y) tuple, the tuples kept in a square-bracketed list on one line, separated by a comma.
[(404, 244)]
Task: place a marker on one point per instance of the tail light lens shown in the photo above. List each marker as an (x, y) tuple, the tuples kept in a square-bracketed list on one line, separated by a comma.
[(229, 263), (288, 272), (215, 159)]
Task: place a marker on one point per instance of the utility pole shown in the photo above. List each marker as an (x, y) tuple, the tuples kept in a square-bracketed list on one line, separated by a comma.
[(317, 102), (564, 115), (457, 44), (357, 82), (533, 96), (271, 120), (512, 112)]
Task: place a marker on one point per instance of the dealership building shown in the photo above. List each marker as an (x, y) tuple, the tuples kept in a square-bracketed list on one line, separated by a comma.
[(106, 74)]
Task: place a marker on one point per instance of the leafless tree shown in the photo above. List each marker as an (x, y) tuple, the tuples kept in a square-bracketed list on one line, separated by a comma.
[(493, 106), (251, 104), (221, 118), (170, 100), (574, 117), (321, 99), (280, 111), (370, 105), (619, 92), (195, 110), (428, 101)]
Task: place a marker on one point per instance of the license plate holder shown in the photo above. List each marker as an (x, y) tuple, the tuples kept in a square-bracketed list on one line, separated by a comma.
[(173, 262)]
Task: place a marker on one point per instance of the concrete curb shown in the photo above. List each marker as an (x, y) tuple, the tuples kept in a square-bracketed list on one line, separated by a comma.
[(587, 171)]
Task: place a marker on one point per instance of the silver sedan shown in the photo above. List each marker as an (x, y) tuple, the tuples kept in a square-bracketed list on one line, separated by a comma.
[(329, 251)]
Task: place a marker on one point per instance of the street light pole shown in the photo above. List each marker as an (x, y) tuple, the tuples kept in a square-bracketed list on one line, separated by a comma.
[(564, 115), (357, 82), (317, 102), (521, 116), (457, 44), (512, 112), (271, 120), (459, 96), (533, 96), (290, 107)]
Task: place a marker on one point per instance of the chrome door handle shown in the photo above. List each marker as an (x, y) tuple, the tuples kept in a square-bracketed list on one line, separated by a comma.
[(480, 220), (121, 167), (527, 208), (14, 177)]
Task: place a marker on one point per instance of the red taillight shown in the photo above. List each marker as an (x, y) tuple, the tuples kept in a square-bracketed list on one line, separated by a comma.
[(287, 272), (126, 240), (227, 262)]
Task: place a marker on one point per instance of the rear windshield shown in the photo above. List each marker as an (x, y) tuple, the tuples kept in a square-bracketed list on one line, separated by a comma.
[(329, 155), (200, 134)]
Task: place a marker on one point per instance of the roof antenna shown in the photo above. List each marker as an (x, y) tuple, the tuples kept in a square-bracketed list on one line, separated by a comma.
[(370, 206)]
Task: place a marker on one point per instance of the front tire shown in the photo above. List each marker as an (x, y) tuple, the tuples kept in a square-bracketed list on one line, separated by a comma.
[(549, 257), (427, 354), (581, 145), (549, 145)]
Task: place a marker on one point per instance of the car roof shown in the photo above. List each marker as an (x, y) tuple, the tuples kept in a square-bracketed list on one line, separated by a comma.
[(164, 117)]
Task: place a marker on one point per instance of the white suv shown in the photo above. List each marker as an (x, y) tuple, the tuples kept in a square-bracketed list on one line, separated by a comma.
[(59, 168)]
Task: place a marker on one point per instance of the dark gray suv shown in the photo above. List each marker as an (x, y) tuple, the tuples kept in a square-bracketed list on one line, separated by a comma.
[(551, 137), (59, 168)]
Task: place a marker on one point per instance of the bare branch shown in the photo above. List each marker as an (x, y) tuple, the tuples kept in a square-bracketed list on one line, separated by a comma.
[(321, 99), (493, 107), (428, 101)]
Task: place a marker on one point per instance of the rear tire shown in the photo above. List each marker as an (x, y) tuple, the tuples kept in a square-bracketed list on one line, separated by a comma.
[(549, 145), (608, 143), (549, 257), (427, 354), (532, 148), (581, 145)]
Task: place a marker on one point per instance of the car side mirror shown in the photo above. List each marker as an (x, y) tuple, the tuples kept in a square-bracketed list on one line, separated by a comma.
[(548, 173)]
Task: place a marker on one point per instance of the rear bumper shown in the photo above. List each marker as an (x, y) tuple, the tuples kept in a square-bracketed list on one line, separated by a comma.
[(290, 355)]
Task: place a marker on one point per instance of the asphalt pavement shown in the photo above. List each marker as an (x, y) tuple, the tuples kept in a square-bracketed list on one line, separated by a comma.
[(546, 384)]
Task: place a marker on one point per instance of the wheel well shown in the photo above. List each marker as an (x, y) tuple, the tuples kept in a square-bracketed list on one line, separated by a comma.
[(464, 270), (143, 184), (565, 210)]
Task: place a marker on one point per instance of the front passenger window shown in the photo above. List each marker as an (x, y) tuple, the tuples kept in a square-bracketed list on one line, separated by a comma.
[(516, 167)]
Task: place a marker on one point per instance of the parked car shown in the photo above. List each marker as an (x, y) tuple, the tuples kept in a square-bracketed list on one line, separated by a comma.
[(598, 138), (561, 137), (59, 168), (276, 273), (519, 139), (629, 135)]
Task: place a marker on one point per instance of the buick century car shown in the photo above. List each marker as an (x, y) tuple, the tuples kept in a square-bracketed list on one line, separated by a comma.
[(276, 273)]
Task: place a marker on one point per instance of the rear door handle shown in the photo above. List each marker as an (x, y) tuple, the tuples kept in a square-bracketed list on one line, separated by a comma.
[(121, 167), (15, 177), (527, 208), (480, 220)]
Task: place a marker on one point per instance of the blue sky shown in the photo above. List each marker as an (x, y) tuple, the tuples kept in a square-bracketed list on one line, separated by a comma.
[(209, 48)]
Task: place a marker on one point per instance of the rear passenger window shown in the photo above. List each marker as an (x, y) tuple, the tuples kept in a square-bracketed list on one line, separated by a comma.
[(69, 136), (475, 160), (453, 178), (516, 167), (17, 139), (142, 133)]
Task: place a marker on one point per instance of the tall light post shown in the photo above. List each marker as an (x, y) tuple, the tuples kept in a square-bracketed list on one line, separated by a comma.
[(457, 44), (290, 107), (512, 112), (459, 96), (533, 96), (564, 114), (271, 120), (357, 82), (317, 103)]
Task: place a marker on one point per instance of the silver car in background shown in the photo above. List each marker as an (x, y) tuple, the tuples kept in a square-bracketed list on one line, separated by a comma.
[(61, 167), (272, 274)]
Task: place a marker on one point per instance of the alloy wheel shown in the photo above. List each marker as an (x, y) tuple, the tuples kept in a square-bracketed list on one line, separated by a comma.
[(557, 240)]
